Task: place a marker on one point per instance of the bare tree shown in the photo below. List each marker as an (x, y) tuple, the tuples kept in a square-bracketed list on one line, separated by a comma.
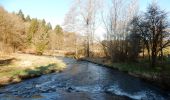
[(157, 37), (82, 16), (119, 14), (71, 25)]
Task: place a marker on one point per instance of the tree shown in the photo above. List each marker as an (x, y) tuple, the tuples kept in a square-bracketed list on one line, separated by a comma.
[(49, 26), (72, 28), (156, 36), (84, 18), (33, 28), (20, 14), (12, 32), (58, 29), (28, 18), (41, 37), (134, 39), (89, 10), (59, 36), (115, 23), (152, 28)]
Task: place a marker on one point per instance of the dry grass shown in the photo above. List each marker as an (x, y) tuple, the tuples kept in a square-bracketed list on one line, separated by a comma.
[(26, 66)]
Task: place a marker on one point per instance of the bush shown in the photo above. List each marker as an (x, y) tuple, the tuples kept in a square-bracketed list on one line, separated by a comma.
[(70, 54), (40, 48)]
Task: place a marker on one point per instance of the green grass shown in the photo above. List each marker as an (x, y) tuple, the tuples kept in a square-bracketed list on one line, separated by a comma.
[(141, 68), (17, 75), (28, 73), (135, 68)]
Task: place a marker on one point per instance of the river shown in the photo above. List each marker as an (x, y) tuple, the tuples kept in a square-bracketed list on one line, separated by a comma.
[(83, 81)]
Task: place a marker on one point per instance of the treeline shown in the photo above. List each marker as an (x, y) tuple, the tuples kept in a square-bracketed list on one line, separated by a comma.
[(30, 35), (12, 31), (149, 32), (129, 35), (145, 34)]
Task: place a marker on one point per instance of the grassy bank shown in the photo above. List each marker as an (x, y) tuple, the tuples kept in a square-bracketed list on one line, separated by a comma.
[(157, 76), (23, 66)]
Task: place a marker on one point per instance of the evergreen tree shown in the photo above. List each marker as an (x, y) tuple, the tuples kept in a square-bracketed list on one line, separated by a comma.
[(58, 29), (134, 39), (43, 22), (41, 38), (49, 26), (59, 36), (32, 29), (28, 18), (21, 15)]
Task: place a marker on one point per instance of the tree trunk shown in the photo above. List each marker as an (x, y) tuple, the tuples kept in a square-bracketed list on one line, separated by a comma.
[(154, 56), (88, 53), (149, 56), (153, 63), (143, 51)]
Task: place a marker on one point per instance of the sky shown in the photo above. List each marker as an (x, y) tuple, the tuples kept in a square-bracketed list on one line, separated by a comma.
[(54, 11)]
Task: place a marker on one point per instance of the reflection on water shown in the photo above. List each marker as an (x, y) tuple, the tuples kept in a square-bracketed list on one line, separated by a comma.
[(83, 80)]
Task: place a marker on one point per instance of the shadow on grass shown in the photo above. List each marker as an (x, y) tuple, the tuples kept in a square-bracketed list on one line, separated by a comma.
[(17, 75), (6, 61), (30, 73)]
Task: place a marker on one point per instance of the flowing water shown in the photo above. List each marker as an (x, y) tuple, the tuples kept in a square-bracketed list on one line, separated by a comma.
[(83, 81)]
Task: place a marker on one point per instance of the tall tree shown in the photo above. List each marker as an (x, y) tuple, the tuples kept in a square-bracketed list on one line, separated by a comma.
[(33, 28), (41, 38), (156, 36), (20, 14), (49, 26), (58, 29), (152, 27), (83, 16), (28, 18), (60, 36), (115, 20), (11, 30), (134, 39)]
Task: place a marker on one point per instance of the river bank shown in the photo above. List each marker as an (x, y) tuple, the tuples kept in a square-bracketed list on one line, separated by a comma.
[(86, 81), (154, 76), (17, 67)]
